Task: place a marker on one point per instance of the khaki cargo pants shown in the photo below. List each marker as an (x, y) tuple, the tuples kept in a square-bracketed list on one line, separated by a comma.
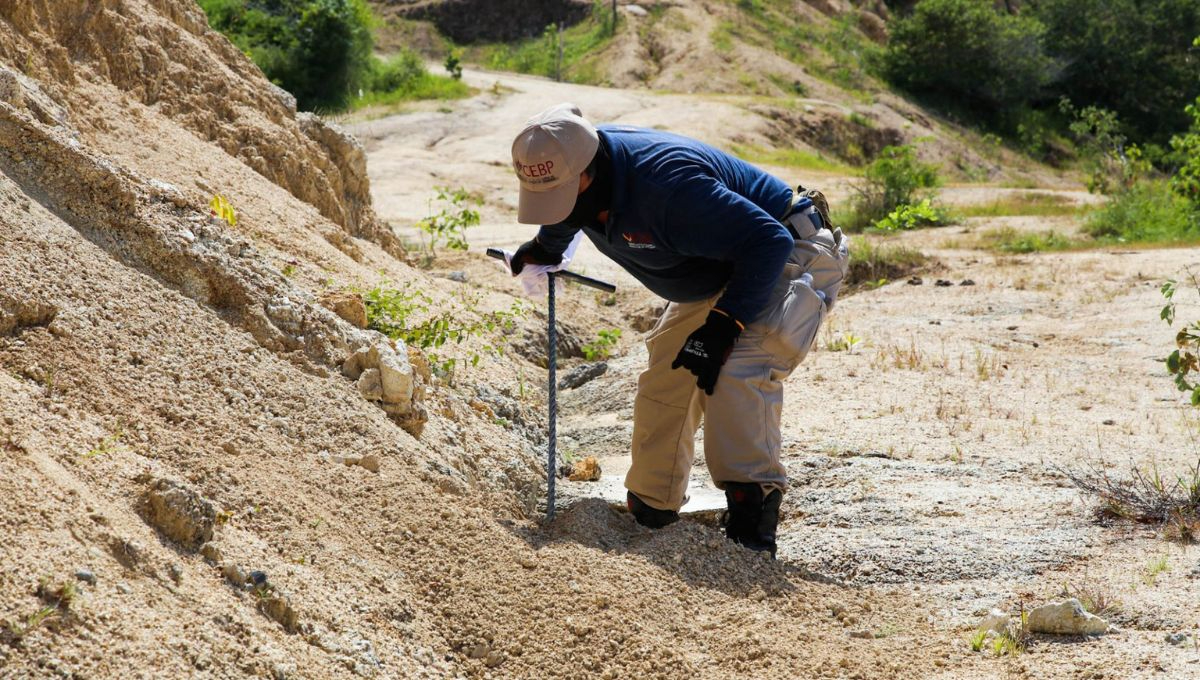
[(741, 418)]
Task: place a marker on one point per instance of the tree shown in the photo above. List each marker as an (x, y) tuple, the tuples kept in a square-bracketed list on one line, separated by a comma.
[(319, 50), (964, 54), (1134, 57)]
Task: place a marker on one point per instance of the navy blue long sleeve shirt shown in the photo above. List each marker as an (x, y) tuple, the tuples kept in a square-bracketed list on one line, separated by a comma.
[(688, 220)]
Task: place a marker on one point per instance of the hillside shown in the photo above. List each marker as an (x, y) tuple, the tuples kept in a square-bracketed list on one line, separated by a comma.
[(797, 69)]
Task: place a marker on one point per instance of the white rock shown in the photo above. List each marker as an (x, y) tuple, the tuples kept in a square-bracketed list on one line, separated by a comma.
[(396, 374), (636, 10), (1065, 618), (370, 385), (996, 621), (355, 363)]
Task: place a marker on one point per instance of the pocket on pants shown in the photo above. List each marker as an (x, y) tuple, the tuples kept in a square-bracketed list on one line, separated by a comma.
[(790, 328)]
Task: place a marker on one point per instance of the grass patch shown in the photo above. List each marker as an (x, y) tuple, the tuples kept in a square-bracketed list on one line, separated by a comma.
[(1094, 600), (1010, 240), (1023, 204), (1147, 213), (539, 56), (404, 78), (872, 262), (792, 158)]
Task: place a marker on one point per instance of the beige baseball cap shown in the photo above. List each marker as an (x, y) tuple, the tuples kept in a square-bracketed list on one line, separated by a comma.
[(555, 147)]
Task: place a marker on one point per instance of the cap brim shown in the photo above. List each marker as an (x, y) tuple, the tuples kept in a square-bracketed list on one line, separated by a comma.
[(547, 207)]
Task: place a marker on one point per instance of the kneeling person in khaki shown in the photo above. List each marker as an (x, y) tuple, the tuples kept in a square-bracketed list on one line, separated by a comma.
[(749, 270)]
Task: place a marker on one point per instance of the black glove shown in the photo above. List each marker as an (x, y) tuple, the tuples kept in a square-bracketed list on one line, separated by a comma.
[(707, 348), (532, 252)]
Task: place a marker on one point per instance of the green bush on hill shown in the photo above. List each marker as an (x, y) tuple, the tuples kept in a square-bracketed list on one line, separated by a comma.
[(966, 54), (1008, 70), (320, 51), (1134, 57)]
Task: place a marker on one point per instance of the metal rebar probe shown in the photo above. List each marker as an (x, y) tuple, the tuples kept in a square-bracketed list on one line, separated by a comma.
[(552, 365), (552, 361)]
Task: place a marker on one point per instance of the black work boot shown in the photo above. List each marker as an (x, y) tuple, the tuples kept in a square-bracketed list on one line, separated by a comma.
[(648, 516), (752, 520)]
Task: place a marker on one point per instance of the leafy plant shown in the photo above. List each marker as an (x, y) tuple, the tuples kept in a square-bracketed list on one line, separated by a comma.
[(109, 444), (1112, 163), (906, 217), (1186, 182), (220, 207), (844, 341), (395, 313), (450, 223), (453, 64), (601, 348), (897, 177)]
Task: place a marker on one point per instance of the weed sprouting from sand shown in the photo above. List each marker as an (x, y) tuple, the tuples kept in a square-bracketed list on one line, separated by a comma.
[(1094, 599), (57, 603), (1145, 496)]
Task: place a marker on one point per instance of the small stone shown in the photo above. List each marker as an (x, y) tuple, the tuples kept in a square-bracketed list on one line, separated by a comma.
[(349, 306), (1176, 638), (123, 588), (457, 276), (916, 281), (586, 470), (1110, 421), (943, 283), (581, 375), (493, 659), (370, 385), (996, 621), (967, 282), (235, 574), (211, 552), (258, 578), (479, 651), (862, 635), (176, 572), (86, 576), (1065, 618), (370, 462)]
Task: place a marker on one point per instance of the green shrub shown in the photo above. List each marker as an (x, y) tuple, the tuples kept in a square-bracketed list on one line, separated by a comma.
[(602, 347), (1149, 212), (967, 54), (411, 315), (449, 224), (319, 50), (1134, 57), (897, 177), (1186, 182), (906, 217)]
